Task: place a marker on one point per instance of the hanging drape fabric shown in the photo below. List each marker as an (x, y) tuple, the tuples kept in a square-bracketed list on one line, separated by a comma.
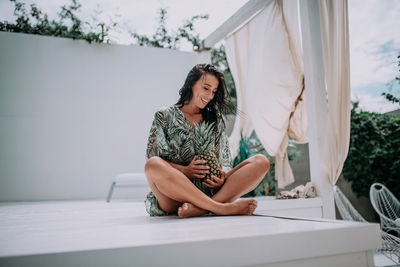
[(265, 59), (335, 48)]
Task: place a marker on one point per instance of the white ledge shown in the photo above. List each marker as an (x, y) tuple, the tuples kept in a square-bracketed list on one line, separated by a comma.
[(96, 233)]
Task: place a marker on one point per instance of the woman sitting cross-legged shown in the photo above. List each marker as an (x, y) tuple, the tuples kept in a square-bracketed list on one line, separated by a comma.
[(187, 148)]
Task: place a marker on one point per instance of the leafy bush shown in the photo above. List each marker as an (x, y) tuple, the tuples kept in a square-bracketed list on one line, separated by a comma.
[(68, 25), (250, 146), (392, 86), (165, 39), (374, 153)]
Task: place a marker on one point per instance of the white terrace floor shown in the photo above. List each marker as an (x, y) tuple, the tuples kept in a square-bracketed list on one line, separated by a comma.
[(120, 233)]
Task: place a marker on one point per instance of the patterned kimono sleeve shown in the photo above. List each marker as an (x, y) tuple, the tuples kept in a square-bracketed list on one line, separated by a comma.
[(157, 144), (223, 150)]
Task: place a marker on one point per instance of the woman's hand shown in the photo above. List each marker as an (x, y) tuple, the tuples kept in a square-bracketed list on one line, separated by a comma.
[(216, 182), (196, 168)]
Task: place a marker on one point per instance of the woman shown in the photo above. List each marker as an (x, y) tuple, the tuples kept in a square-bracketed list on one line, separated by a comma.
[(175, 175)]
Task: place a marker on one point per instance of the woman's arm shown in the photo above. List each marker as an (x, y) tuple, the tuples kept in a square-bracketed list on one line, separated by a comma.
[(229, 173), (179, 167), (196, 168)]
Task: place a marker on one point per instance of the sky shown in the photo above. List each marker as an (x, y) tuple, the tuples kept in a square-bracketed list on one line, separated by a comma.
[(374, 28)]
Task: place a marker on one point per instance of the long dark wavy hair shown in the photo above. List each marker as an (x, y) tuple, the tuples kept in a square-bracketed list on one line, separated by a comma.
[(219, 105)]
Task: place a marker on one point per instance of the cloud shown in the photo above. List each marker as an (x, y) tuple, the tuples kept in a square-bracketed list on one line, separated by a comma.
[(374, 40)]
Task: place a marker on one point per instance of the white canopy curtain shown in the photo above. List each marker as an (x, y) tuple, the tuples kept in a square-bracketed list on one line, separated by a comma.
[(335, 48), (265, 59), (266, 63)]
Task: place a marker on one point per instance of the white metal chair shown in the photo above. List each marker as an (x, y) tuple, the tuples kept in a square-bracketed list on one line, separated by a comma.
[(390, 243), (387, 206), (137, 180)]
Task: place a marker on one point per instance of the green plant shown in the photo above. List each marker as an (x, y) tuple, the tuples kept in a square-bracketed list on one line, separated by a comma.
[(250, 146), (68, 25), (374, 151), (165, 39), (389, 96), (218, 59)]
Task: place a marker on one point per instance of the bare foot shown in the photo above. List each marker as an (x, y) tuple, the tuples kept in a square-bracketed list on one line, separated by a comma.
[(239, 207), (189, 210), (243, 206)]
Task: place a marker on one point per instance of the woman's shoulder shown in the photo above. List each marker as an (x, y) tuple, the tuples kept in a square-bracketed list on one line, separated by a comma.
[(166, 109), (165, 112)]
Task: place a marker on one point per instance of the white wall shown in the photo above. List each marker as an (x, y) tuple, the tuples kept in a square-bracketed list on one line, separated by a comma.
[(74, 114)]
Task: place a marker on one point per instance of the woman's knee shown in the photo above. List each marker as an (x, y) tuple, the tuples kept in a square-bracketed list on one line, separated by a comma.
[(153, 163), (262, 161)]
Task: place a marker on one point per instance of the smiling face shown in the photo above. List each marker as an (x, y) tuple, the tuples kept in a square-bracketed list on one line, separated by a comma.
[(204, 90)]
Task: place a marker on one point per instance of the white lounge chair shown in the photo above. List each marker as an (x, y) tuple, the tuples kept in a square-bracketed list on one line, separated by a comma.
[(387, 206), (137, 180)]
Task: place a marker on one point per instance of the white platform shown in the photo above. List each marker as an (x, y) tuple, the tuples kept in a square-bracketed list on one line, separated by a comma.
[(120, 233)]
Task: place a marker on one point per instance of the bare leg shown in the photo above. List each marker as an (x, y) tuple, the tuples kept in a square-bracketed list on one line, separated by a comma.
[(241, 180), (171, 187)]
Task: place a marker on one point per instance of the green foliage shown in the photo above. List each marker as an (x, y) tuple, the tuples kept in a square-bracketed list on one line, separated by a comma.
[(68, 25), (374, 151), (250, 146), (165, 39), (218, 59), (389, 96)]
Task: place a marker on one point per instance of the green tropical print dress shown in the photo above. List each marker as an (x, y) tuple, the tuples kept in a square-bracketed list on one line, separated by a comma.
[(171, 138)]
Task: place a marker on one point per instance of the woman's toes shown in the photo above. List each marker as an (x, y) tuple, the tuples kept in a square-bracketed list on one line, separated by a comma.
[(253, 206), (180, 211), (251, 210), (186, 210)]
